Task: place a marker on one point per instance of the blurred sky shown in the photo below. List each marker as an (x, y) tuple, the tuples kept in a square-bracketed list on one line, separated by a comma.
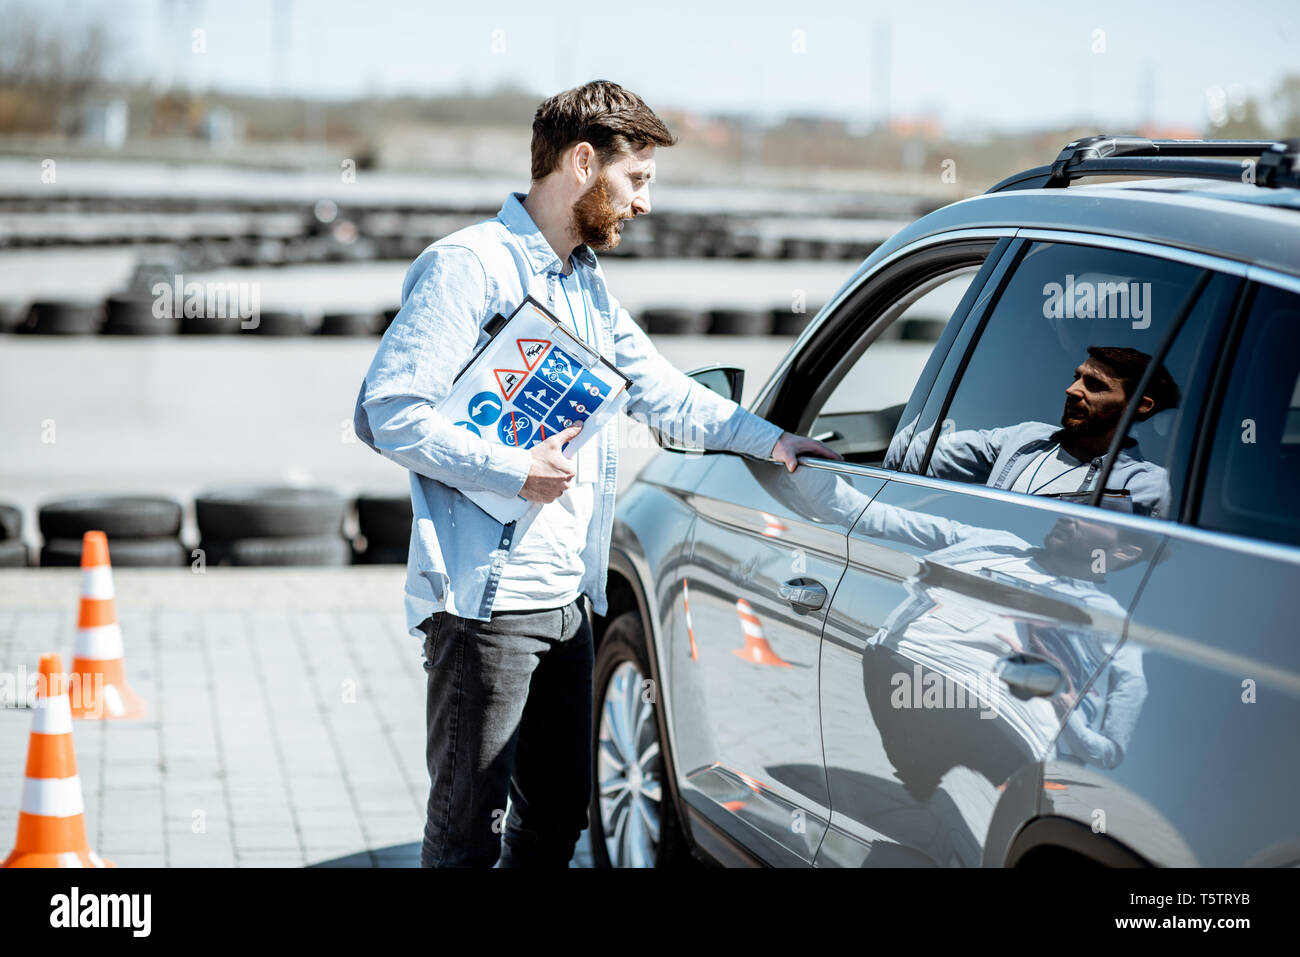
[(1012, 64)]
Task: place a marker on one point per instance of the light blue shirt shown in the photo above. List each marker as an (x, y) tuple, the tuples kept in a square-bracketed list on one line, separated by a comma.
[(452, 289)]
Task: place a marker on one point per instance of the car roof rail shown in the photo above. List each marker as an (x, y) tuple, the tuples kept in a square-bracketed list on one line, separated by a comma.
[(1276, 162)]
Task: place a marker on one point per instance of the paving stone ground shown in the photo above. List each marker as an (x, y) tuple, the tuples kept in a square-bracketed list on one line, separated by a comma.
[(285, 724)]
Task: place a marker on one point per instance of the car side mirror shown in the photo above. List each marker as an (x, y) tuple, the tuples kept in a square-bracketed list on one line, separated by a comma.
[(726, 381)]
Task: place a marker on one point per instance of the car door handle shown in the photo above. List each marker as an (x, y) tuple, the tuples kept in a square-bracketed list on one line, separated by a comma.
[(1028, 676), (804, 593)]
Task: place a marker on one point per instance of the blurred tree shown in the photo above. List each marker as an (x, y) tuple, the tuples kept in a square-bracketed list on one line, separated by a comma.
[(1288, 103), (1242, 122), (48, 69)]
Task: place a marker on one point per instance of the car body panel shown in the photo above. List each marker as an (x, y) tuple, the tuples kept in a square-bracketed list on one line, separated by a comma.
[(749, 741)]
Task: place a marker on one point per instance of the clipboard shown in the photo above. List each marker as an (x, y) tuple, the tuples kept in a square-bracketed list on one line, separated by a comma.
[(532, 379)]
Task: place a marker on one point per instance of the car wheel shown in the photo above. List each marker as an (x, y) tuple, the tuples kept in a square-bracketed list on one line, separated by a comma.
[(633, 821)]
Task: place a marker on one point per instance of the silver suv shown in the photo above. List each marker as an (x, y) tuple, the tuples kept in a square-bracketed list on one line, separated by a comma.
[(1044, 611)]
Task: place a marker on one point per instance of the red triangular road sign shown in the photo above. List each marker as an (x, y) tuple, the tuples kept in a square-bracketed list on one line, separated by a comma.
[(509, 380), (536, 349)]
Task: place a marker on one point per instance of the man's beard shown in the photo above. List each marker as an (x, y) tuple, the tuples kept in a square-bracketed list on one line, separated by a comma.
[(1091, 424), (595, 220)]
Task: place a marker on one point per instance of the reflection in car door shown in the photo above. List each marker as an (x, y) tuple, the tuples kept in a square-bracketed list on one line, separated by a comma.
[(747, 725), (968, 624)]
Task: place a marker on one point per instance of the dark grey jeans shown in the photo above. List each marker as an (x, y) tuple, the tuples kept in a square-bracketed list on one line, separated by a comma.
[(508, 712)]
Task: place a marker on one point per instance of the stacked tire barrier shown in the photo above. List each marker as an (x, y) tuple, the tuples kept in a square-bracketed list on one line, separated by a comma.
[(239, 525), (143, 530), (272, 525), (13, 552), (133, 314), (385, 525)]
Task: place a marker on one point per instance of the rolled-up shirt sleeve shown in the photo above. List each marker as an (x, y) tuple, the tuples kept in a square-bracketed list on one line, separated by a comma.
[(444, 306), (675, 404)]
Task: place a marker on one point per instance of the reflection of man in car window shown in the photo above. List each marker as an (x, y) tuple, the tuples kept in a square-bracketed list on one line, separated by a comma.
[(1041, 459)]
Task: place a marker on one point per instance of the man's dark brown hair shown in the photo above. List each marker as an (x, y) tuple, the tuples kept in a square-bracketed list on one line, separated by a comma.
[(1129, 365), (613, 120)]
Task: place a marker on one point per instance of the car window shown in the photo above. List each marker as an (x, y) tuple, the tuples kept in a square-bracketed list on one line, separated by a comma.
[(1055, 366), (859, 405), (1250, 483)]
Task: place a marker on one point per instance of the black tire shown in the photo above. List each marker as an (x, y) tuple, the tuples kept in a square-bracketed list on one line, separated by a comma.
[(122, 552), (787, 323), (385, 520), (12, 316), (205, 326), (134, 316), (349, 324), (287, 550), (624, 640), (13, 554), (381, 555), (11, 523), (62, 318), (278, 323), (674, 322), (740, 322), (229, 514), (117, 516)]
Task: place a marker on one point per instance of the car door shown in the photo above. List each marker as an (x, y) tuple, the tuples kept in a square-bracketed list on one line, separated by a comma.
[(1210, 775), (976, 624), (768, 551)]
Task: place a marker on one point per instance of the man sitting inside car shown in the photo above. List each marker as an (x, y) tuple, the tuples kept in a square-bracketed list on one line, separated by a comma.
[(1041, 459)]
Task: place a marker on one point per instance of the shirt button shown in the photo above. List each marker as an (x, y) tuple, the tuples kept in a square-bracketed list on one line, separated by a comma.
[(505, 541)]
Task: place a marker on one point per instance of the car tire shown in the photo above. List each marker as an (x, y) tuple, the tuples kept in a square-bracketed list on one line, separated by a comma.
[(280, 323), (117, 516), (11, 522), (134, 316), (381, 555), (788, 323), (122, 552), (288, 550), (13, 554), (65, 318), (385, 520), (739, 322), (348, 324), (240, 512), (620, 668), (675, 322)]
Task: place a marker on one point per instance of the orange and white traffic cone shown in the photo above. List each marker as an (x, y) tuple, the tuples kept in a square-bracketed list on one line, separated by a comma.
[(756, 647), (51, 818), (690, 631), (98, 664)]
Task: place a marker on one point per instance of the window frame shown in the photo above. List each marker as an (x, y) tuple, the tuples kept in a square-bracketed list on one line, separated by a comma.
[(858, 308)]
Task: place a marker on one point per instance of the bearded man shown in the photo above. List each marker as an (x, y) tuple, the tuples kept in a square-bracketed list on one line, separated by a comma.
[(505, 609)]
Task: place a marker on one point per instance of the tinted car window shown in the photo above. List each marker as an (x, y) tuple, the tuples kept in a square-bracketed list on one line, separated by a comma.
[(1250, 484), (1053, 369)]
